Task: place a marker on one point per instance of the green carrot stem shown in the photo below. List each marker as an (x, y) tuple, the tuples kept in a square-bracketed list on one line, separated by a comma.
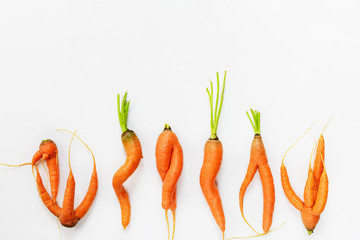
[(123, 110), (256, 120), (215, 113)]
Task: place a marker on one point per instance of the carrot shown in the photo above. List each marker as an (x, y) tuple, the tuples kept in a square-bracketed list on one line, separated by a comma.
[(47, 151), (213, 152), (133, 151), (315, 193), (44, 195), (169, 163), (259, 162), (67, 215)]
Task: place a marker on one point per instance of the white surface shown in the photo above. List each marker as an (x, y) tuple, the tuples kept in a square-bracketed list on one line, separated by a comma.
[(61, 65)]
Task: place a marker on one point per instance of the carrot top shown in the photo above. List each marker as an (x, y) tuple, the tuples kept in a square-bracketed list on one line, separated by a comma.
[(215, 113), (123, 110), (256, 123)]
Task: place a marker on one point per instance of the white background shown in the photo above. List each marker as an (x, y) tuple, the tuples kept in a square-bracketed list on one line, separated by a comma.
[(62, 64)]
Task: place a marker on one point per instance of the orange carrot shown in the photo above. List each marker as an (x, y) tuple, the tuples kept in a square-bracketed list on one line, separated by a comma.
[(67, 215), (213, 152), (133, 151), (315, 193), (169, 162), (44, 195), (47, 151), (259, 162)]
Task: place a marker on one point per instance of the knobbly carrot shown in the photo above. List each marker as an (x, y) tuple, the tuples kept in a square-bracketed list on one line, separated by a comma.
[(133, 151), (69, 217), (213, 152), (48, 152), (44, 195), (315, 192), (84, 206), (259, 162), (169, 163)]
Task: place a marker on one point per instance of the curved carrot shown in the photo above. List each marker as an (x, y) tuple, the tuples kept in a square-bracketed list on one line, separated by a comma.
[(44, 195), (90, 195), (259, 161), (320, 154), (315, 197), (322, 193), (133, 151), (289, 192), (67, 216), (169, 159), (213, 152), (169, 162), (309, 190), (48, 151), (212, 161)]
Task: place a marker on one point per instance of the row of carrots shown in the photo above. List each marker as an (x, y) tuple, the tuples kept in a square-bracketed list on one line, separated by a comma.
[(169, 162)]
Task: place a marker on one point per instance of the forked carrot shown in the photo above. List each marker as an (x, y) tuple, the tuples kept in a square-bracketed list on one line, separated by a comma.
[(48, 152), (213, 153), (315, 193), (133, 151), (259, 162), (69, 217), (169, 163)]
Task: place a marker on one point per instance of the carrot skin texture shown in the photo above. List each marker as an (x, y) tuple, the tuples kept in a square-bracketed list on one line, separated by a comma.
[(259, 161), (319, 158), (163, 152), (172, 177), (213, 152), (84, 206), (48, 151), (37, 156), (268, 195), (309, 190), (309, 219), (67, 216), (169, 163), (250, 173), (289, 192), (44, 195), (322, 193), (133, 151)]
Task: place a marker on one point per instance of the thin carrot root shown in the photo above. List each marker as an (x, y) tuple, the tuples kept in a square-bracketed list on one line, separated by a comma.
[(58, 223), (258, 235), (16, 165), (326, 125), (242, 213), (173, 234), (282, 162), (167, 223)]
